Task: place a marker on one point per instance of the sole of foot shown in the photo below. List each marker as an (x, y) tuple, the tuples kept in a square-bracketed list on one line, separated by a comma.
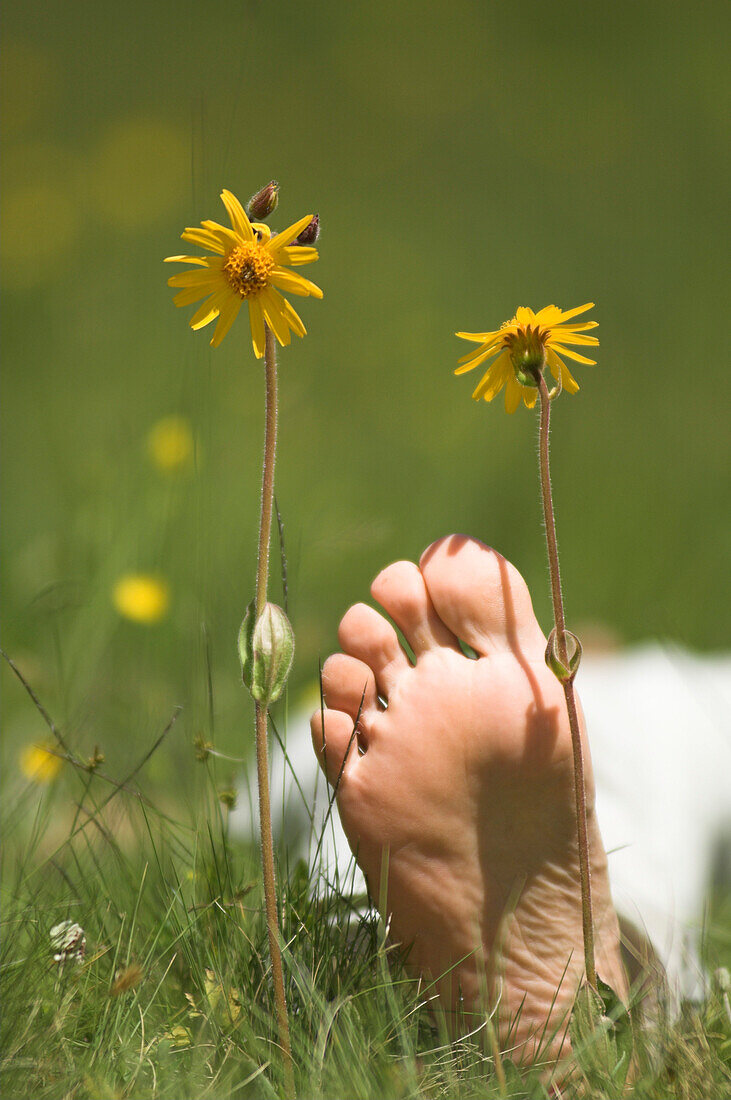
[(454, 780)]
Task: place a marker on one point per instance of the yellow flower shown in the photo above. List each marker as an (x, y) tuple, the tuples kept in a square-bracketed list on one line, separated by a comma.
[(142, 598), (171, 444), (247, 265), (523, 345), (39, 764)]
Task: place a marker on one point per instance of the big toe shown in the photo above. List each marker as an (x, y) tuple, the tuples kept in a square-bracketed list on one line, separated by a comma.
[(481, 597)]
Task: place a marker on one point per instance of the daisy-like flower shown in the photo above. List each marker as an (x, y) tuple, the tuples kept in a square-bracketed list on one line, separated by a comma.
[(248, 264), (524, 345)]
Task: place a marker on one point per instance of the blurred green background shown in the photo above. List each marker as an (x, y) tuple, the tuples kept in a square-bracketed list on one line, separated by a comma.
[(465, 158)]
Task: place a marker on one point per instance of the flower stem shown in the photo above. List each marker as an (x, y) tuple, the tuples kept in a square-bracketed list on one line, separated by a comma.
[(261, 713), (567, 684)]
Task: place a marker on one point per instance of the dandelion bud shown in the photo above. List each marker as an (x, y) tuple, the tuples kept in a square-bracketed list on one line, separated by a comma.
[(264, 202), (310, 233)]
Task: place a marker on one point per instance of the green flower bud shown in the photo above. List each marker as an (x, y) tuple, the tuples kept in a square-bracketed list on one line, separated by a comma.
[(266, 650), (562, 672), (264, 202)]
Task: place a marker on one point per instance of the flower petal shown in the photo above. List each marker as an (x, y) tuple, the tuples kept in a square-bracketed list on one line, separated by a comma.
[(192, 294), (202, 261), (559, 336), (568, 381), (276, 244), (469, 362), (480, 337), (494, 379), (530, 395), (295, 284), (197, 277), (583, 326), (258, 335), (226, 318), (297, 254), (513, 394), (524, 315), (225, 236), (274, 316), (573, 355), (203, 238), (293, 318), (561, 372), (209, 310), (549, 315), (237, 214), (575, 312)]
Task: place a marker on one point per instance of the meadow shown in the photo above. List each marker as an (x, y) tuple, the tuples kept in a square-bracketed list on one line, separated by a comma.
[(464, 159)]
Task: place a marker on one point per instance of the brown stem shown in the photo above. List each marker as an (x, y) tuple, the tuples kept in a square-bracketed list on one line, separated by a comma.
[(568, 686), (261, 714)]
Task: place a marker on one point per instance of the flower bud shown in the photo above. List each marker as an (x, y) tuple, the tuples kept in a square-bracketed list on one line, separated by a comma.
[(310, 233), (564, 673), (264, 202), (266, 650), (96, 758)]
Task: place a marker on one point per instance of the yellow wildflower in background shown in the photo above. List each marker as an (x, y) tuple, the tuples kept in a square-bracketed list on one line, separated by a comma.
[(529, 341), (171, 444), (142, 598), (39, 764), (247, 265)]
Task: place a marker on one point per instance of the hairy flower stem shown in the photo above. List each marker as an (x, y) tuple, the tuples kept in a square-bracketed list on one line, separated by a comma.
[(567, 684), (262, 758)]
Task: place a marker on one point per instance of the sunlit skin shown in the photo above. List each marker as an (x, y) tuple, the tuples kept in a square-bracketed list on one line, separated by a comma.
[(463, 774)]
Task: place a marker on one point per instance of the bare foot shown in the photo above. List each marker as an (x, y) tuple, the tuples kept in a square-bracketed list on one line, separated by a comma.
[(457, 796)]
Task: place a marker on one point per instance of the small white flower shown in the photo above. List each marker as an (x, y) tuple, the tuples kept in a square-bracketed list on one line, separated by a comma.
[(68, 942)]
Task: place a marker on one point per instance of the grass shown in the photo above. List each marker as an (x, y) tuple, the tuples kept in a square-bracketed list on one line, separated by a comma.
[(173, 999), (120, 144)]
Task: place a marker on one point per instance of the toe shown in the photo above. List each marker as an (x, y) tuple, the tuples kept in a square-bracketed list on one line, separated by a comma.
[(481, 597), (348, 685), (335, 745), (401, 591), (365, 634)]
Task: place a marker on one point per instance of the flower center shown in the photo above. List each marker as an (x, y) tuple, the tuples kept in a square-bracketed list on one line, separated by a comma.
[(527, 353), (247, 269)]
